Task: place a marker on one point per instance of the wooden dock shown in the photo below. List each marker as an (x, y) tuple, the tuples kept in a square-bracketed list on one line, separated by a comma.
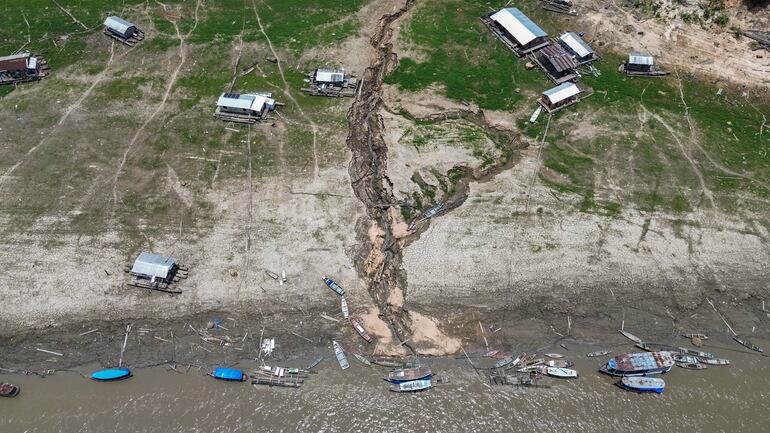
[(137, 37)]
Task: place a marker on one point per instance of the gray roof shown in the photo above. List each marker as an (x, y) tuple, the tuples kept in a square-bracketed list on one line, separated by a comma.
[(518, 25), (576, 44), (636, 58), (118, 24), (152, 265), (326, 75), (23, 55)]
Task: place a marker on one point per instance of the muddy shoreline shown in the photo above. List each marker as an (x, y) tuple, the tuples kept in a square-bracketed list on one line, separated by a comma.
[(536, 325)]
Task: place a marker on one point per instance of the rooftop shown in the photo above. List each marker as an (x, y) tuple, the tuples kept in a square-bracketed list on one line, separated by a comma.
[(518, 25)]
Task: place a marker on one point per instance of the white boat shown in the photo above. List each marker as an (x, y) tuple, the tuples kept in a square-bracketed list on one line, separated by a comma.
[(344, 304), (340, 354), (631, 336), (564, 373), (554, 355), (559, 363)]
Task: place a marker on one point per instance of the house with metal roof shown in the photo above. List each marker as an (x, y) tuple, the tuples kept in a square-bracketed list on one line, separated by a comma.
[(329, 76), (21, 67), (244, 107), (331, 82), (642, 64), (122, 30), (557, 63), (517, 30), (153, 267), (582, 52), (561, 96)]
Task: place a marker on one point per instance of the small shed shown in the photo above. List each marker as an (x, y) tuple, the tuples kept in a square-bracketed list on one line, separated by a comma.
[(518, 28), (120, 27), (153, 267), (557, 63), (640, 62), (19, 63), (560, 96), (573, 43), (329, 76), (246, 104)]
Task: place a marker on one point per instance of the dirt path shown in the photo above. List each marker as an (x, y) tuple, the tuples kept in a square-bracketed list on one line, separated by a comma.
[(67, 112), (166, 94), (287, 92)]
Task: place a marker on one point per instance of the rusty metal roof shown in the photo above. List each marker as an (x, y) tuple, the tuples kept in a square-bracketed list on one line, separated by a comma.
[(559, 58)]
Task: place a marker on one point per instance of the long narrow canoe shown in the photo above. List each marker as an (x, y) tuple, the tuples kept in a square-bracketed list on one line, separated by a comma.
[(412, 386), (317, 360), (503, 362), (748, 344), (362, 359), (598, 353), (694, 352), (344, 306), (701, 336), (714, 361), (230, 374), (631, 337), (564, 373), (408, 374), (643, 384), (111, 374), (554, 355), (340, 354), (360, 330), (334, 286)]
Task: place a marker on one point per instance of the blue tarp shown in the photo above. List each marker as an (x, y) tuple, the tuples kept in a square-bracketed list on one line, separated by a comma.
[(228, 374)]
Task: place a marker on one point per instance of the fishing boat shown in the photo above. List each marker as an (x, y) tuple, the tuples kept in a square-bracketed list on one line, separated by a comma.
[(108, 375), (554, 355), (362, 359), (701, 336), (503, 362), (390, 363), (563, 373), (527, 359), (631, 337), (408, 374), (9, 390), (496, 354), (714, 361), (679, 357), (314, 362), (559, 363), (340, 354), (639, 364), (643, 384), (334, 286), (746, 343), (360, 329), (693, 352), (344, 306), (691, 365), (598, 353), (230, 374), (412, 386)]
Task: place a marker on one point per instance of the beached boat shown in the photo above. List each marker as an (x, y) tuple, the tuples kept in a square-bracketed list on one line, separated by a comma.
[(111, 374), (693, 352), (334, 286), (527, 359), (412, 386), (554, 355), (644, 346), (700, 336), (9, 390), (390, 363), (748, 344), (639, 364), (344, 306), (503, 362), (559, 363), (340, 354), (229, 374), (496, 354), (408, 374), (598, 353), (631, 337), (691, 365), (360, 330), (679, 357), (362, 359), (563, 373), (714, 361), (314, 362), (643, 384)]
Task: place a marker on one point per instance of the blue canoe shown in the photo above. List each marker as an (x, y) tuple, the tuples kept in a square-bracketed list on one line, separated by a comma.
[(334, 286), (115, 374), (229, 374), (643, 384)]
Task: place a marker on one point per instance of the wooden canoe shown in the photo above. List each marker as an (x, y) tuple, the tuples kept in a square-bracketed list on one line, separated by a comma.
[(360, 330), (598, 353), (408, 374), (344, 307), (748, 344), (340, 354), (334, 286), (631, 337), (362, 359), (317, 360), (412, 386), (693, 352), (554, 355), (691, 365)]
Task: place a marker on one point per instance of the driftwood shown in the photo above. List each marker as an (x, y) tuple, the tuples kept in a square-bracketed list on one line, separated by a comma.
[(49, 352), (88, 332)]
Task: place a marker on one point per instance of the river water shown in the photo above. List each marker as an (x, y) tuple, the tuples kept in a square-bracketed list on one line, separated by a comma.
[(734, 398)]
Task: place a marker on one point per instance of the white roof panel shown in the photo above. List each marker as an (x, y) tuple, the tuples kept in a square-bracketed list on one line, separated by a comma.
[(118, 24), (518, 25), (576, 44), (152, 265), (561, 92), (329, 76), (636, 58)]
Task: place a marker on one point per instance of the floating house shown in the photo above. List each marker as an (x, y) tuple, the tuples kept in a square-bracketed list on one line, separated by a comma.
[(244, 107), (331, 82), (557, 63), (580, 50), (516, 30), (639, 364), (21, 68), (153, 271), (561, 96), (642, 64), (121, 30), (560, 6)]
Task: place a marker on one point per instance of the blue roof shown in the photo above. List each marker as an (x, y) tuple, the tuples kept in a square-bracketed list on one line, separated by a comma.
[(528, 23)]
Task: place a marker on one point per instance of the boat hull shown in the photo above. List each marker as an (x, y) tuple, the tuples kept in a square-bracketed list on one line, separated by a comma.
[(647, 384), (412, 386), (9, 390), (408, 375), (639, 364), (229, 374), (111, 375)]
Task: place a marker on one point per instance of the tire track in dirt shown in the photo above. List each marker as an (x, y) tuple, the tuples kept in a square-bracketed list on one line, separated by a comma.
[(67, 112), (287, 92), (166, 94)]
